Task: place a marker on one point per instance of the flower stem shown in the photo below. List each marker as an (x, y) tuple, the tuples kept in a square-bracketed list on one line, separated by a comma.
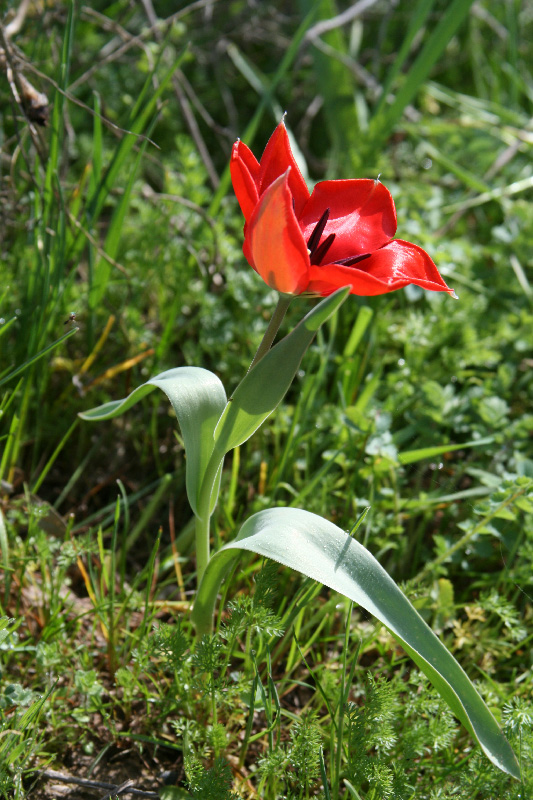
[(203, 619), (203, 611), (284, 301), (202, 544), (203, 517)]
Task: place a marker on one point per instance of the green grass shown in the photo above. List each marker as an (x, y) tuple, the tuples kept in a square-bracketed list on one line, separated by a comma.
[(410, 404)]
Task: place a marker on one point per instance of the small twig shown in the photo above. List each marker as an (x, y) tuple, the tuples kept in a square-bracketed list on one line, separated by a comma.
[(341, 19), (206, 116), (134, 40), (95, 244), (474, 199), (361, 74), (490, 20), (111, 788), (33, 103), (155, 29), (107, 122), (150, 12), (13, 27), (183, 100), (194, 130), (122, 789), (18, 92), (149, 194)]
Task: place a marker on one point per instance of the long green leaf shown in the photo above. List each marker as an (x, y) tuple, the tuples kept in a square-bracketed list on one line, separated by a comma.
[(6, 325), (136, 124), (265, 385), (198, 398), (418, 18), (322, 551), (452, 17), (114, 234), (37, 356), (57, 121), (336, 86), (411, 456)]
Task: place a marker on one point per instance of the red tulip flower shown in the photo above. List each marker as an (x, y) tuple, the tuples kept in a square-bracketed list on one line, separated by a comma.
[(314, 244)]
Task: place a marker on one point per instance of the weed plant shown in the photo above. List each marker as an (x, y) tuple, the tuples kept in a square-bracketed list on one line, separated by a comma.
[(407, 404)]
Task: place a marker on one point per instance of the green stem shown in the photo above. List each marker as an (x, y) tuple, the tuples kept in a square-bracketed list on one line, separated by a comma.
[(202, 534), (284, 302), (202, 530), (204, 513), (203, 611)]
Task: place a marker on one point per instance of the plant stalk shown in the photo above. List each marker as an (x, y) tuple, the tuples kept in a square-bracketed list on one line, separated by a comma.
[(202, 529), (284, 301), (202, 535)]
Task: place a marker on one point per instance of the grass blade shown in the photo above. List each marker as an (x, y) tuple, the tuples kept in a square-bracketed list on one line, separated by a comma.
[(382, 124), (411, 456), (37, 356), (416, 23)]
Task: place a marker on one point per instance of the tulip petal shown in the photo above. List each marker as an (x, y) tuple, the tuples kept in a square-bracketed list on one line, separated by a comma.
[(275, 161), (274, 244), (392, 267), (361, 215), (244, 168)]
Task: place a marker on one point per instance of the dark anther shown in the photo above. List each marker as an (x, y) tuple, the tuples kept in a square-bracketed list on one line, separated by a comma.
[(320, 252), (314, 239), (349, 262)]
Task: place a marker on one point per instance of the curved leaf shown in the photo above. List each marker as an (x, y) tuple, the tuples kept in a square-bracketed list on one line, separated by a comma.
[(265, 385), (322, 551), (198, 398)]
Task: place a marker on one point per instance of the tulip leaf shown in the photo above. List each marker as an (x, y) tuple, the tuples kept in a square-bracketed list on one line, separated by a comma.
[(322, 551), (198, 398), (265, 385)]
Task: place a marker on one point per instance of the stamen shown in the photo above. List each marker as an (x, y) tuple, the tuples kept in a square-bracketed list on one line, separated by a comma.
[(320, 252), (349, 262), (312, 242)]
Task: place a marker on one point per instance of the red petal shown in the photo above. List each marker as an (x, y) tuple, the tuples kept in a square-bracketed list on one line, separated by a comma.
[(274, 242), (361, 214), (275, 161), (244, 168), (392, 267)]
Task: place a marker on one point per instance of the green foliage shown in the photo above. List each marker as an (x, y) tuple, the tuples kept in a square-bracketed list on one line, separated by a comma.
[(254, 613), (304, 751), (213, 783), (517, 716), (170, 642), (207, 655)]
